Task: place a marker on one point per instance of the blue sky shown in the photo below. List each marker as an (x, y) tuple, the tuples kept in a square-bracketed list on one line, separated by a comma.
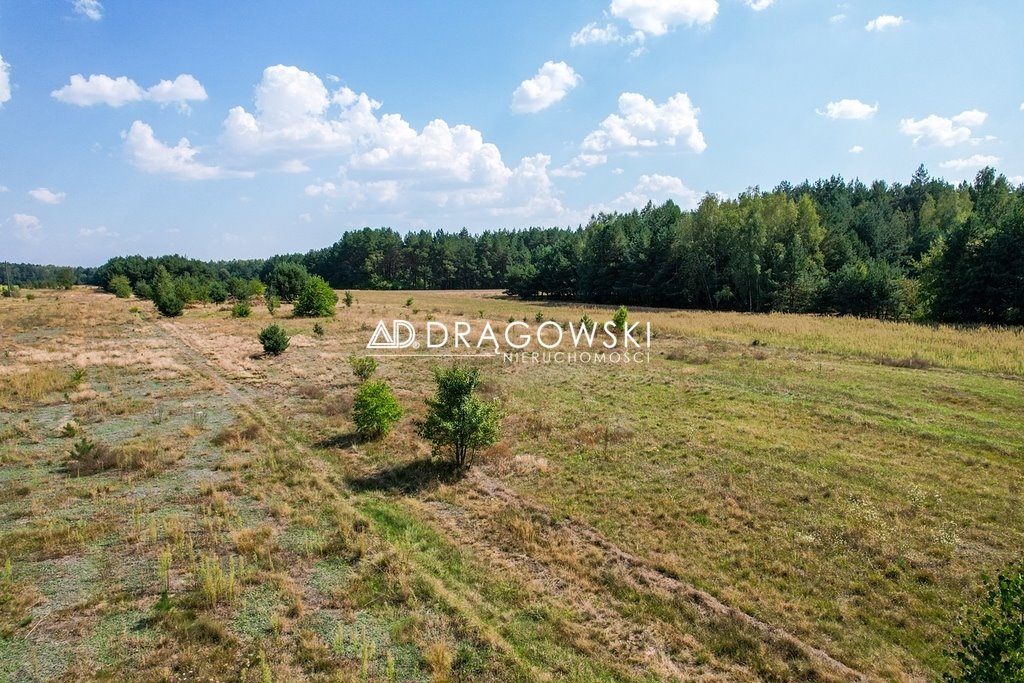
[(219, 132)]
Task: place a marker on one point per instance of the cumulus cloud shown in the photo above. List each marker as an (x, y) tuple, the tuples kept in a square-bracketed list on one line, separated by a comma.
[(659, 188), (26, 226), (152, 156), (90, 9), (944, 131), (291, 114), (642, 123), (574, 169), (837, 18), (46, 196), (758, 5), (849, 109), (883, 23), (592, 34), (5, 81), (658, 17), (385, 164), (856, 149), (973, 161), (552, 82), (116, 92)]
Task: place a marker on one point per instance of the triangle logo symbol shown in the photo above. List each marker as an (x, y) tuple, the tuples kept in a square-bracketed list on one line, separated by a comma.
[(381, 338)]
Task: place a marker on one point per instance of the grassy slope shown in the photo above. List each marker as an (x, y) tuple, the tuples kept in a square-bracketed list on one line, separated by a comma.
[(806, 481)]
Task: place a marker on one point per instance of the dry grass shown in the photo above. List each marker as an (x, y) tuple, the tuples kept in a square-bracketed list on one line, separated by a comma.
[(846, 481)]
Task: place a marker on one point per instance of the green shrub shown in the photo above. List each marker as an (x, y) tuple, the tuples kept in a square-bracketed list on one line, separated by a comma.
[(274, 339), (241, 310), (165, 296), (991, 648), (120, 287), (363, 367), (620, 318), (317, 299), (586, 321), (375, 409), (348, 299), (318, 330), (273, 303), (457, 422), (288, 279), (218, 292)]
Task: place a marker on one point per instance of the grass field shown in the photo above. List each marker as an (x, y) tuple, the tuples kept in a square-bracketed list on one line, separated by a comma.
[(773, 497)]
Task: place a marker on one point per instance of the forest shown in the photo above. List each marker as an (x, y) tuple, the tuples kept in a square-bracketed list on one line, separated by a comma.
[(926, 250)]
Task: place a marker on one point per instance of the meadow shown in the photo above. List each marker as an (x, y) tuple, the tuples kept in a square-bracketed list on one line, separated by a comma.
[(772, 497)]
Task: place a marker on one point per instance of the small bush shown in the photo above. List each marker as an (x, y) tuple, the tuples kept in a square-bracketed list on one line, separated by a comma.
[(457, 422), (991, 648), (241, 310), (363, 367), (375, 410), (348, 299), (318, 330), (620, 318), (120, 287), (30, 296), (273, 303), (274, 339), (408, 302), (317, 299), (586, 321)]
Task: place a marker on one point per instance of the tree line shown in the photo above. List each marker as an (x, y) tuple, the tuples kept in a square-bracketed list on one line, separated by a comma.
[(925, 250)]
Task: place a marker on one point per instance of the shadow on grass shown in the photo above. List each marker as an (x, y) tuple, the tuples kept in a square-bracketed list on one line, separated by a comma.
[(409, 477), (339, 441)]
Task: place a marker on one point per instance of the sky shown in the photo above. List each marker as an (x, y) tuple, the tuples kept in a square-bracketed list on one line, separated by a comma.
[(222, 130)]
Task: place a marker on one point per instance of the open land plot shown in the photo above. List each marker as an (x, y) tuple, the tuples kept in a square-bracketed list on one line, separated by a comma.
[(771, 497)]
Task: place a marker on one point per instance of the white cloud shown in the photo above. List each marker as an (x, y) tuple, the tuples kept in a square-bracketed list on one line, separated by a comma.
[(837, 18), (943, 131), (849, 109), (26, 227), (305, 217), (5, 81), (552, 82), (46, 196), (609, 33), (657, 17), (116, 92), (385, 165), (1015, 180), (99, 89), (574, 169), (4, 188), (856, 149), (101, 231), (642, 123), (182, 89), (293, 166), (651, 188), (884, 22), (758, 5), (152, 156), (974, 161), (291, 115), (90, 9)]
